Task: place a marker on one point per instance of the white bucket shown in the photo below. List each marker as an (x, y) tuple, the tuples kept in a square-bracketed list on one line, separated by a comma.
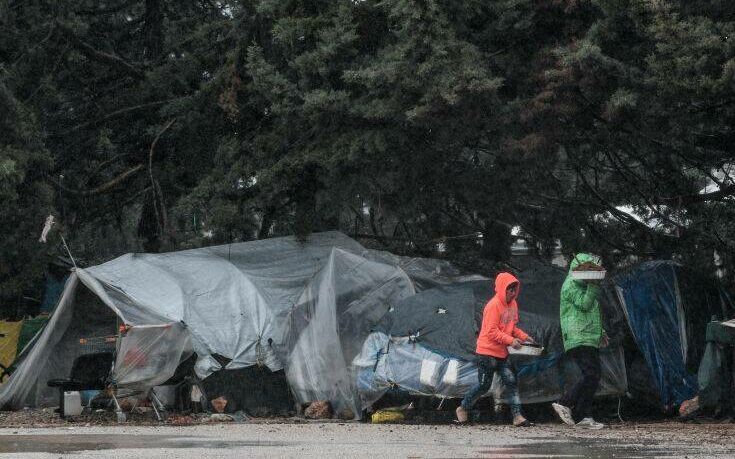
[(72, 403)]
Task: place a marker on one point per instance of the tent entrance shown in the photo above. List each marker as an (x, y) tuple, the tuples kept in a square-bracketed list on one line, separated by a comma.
[(255, 390)]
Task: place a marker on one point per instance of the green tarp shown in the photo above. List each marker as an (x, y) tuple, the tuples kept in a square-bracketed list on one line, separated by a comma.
[(715, 375)]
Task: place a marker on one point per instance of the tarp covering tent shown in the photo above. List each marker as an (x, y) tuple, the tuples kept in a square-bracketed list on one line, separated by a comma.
[(279, 302), (668, 308), (425, 344)]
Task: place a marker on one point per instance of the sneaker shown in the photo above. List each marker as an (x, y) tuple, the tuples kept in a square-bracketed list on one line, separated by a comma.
[(462, 414), (589, 423), (564, 413)]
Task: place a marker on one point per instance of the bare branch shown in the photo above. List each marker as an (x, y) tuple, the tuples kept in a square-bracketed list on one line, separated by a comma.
[(698, 198), (104, 187), (112, 60), (108, 10), (116, 113), (157, 195)]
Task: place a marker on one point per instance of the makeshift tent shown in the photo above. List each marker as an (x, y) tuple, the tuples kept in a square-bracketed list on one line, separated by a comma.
[(304, 307), (425, 344), (668, 307)]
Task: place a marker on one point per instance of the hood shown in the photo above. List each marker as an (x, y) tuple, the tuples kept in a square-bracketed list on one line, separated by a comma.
[(583, 258), (502, 281)]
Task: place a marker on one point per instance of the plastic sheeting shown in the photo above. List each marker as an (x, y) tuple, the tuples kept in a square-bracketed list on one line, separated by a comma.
[(20, 389), (303, 306), (441, 325), (148, 355), (330, 322), (444, 319), (425, 273), (399, 364), (425, 344), (668, 319)]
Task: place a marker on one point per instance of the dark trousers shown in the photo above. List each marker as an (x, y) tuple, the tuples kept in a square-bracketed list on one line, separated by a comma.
[(486, 367), (579, 396)]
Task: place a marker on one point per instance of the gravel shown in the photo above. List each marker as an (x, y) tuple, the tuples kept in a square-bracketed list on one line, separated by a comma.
[(286, 438)]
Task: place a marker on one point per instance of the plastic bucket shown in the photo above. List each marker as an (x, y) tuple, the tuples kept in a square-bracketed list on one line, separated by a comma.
[(72, 403)]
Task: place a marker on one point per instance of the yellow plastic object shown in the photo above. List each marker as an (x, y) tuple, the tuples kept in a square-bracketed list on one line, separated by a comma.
[(386, 417), (9, 342)]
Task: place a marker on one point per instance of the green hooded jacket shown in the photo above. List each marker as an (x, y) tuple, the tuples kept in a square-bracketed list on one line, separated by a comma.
[(581, 322)]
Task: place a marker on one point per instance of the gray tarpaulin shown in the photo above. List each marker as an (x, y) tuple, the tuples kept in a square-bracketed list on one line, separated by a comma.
[(305, 307)]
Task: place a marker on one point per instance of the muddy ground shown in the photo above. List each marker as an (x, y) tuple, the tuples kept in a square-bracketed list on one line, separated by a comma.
[(306, 439)]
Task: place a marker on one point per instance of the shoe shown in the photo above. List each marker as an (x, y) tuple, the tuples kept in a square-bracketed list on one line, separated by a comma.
[(564, 413), (520, 421), (589, 423), (462, 415)]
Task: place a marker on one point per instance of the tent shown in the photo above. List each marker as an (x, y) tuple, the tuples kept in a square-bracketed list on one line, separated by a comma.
[(425, 344), (303, 307), (668, 308)]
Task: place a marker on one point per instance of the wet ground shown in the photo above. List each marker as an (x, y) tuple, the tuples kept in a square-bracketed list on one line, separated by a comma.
[(365, 440)]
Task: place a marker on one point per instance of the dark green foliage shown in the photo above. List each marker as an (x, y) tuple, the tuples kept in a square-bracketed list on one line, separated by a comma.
[(26, 197), (158, 125)]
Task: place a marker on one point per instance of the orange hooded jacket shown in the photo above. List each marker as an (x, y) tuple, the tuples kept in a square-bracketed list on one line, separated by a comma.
[(499, 321)]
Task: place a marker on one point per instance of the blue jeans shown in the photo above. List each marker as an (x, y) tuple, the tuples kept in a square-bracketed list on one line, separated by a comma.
[(486, 367)]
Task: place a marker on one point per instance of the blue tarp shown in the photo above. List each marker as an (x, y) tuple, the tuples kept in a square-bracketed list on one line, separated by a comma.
[(54, 287), (395, 363), (650, 296)]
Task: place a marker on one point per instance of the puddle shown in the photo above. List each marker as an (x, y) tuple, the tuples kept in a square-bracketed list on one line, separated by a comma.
[(547, 448), (593, 450), (88, 442)]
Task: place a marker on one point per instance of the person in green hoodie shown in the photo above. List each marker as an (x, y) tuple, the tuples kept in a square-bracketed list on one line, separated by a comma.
[(583, 335)]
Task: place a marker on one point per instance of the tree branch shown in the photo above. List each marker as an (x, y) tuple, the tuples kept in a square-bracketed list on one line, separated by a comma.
[(112, 60), (116, 113), (719, 195), (108, 10), (104, 187), (157, 195), (44, 40)]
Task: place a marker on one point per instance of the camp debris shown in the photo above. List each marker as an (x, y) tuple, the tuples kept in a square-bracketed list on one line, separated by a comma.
[(320, 409)]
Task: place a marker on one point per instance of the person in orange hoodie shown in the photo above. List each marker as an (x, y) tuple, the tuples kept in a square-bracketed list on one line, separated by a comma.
[(498, 331)]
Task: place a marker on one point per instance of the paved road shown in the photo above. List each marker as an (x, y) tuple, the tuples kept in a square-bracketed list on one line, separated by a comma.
[(369, 441)]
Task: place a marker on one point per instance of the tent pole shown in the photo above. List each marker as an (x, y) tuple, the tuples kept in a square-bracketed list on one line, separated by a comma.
[(67, 250)]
